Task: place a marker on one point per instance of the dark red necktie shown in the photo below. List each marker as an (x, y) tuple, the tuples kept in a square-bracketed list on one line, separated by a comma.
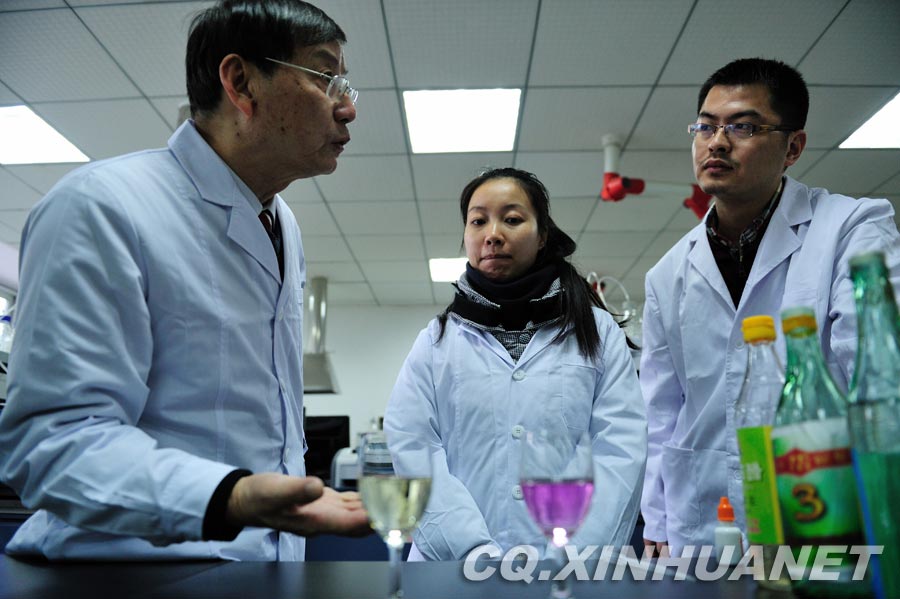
[(274, 233)]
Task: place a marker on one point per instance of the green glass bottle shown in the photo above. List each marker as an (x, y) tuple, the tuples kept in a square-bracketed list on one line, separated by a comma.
[(813, 465), (874, 416)]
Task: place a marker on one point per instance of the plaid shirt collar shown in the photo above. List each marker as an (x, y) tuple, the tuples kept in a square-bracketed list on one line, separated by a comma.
[(753, 230)]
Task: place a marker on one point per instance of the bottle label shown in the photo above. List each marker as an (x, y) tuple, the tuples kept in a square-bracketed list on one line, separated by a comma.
[(816, 484), (763, 514)]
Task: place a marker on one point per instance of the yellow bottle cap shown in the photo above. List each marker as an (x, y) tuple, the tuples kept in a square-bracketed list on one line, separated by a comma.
[(758, 328), (798, 318)]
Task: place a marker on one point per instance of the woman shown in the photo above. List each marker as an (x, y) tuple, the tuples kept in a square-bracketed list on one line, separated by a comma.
[(525, 345)]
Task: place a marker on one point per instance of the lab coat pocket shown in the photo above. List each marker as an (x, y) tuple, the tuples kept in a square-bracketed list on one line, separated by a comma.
[(576, 385), (682, 514)]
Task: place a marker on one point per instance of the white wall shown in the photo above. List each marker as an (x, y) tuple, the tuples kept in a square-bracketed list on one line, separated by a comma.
[(367, 346)]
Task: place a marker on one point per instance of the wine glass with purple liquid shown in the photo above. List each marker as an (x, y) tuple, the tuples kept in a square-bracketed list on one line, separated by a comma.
[(557, 476)]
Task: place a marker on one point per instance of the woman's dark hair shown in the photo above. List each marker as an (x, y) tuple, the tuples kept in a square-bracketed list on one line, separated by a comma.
[(255, 30), (578, 298), (788, 94)]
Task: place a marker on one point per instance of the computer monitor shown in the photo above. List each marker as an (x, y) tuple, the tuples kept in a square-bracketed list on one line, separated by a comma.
[(325, 435)]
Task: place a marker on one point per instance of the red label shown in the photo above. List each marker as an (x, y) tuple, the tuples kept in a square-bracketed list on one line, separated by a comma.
[(797, 462)]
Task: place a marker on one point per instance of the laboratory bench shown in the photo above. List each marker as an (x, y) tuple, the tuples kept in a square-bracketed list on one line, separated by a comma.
[(35, 579)]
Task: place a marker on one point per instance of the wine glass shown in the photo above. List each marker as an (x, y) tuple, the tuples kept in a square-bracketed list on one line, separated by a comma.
[(395, 503), (557, 477)]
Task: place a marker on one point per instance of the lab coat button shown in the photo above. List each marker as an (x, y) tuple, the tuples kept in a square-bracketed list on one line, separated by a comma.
[(518, 375), (517, 492), (517, 431)]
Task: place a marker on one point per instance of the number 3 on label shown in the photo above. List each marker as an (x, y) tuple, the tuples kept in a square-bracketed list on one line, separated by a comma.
[(808, 497)]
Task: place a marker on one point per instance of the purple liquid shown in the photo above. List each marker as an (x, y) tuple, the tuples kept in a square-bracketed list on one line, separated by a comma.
[(559, 504)]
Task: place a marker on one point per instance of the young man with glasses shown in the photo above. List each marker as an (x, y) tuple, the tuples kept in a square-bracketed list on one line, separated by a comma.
[(769, 242), (156, 387)]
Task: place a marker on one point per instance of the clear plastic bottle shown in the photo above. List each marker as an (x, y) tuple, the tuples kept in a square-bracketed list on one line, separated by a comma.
[(813, 464), (874, 415), (754, 415)]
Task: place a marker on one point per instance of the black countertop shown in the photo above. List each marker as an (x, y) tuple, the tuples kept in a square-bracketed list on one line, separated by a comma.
[(24, 579)]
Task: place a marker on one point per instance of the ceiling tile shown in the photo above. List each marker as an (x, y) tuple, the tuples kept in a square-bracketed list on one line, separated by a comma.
[(604, 42), (664, 123), (368, 178), (443, 176), (861, 47), (48, 55), (891, 186), (669, 166), (634, 213), (335, 272), (148, 41), (302, 191), (169, 107), (571, 214), (376, 218), (15, 194), (614, 244), (350, 294), (774, 29), (601, 265), (15, 222), (387, 247), (378, 128), (683, 221), (399, 294), (8, 97), (607, 110), (830, 123), (444, 246), (41, 176), (102, 129), (326, 248), (441, 217), (443, 293), (314, 218), (466, 43), (367, 55), (396, 271), (9, 5), (662, 244), (565, 174), (9, 235), (853, 172), (808, 160)]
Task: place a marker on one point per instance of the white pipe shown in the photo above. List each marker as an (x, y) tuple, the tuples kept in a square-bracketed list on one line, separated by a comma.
[(612, 151)]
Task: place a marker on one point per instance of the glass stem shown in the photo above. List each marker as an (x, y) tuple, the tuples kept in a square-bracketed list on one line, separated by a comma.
[(561, 589), (396, 554)]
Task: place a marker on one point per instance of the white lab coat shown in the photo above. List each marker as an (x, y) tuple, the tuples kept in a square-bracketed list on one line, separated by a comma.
[(694, 358), (470, 404), (156, 350)]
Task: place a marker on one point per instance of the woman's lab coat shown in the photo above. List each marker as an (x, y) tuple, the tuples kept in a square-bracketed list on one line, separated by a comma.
[(694, 358), (471, 405)]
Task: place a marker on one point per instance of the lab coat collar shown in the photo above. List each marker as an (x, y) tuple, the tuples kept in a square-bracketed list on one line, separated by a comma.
[(700, 256), (215, 182), (781, 240)]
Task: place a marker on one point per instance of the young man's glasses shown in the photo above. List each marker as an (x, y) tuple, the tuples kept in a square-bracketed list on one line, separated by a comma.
[(734, 130), (338, 86)]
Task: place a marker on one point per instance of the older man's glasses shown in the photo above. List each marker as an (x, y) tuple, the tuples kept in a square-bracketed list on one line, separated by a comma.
[(733, 130), (338, 85)]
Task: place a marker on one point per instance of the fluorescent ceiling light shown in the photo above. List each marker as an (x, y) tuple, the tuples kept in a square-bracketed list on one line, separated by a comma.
[(446, 270), (462, 120), (880, 131), (28, 139)]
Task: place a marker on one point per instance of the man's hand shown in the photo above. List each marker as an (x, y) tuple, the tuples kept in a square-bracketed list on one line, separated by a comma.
[(656, 548), (303, 506)]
